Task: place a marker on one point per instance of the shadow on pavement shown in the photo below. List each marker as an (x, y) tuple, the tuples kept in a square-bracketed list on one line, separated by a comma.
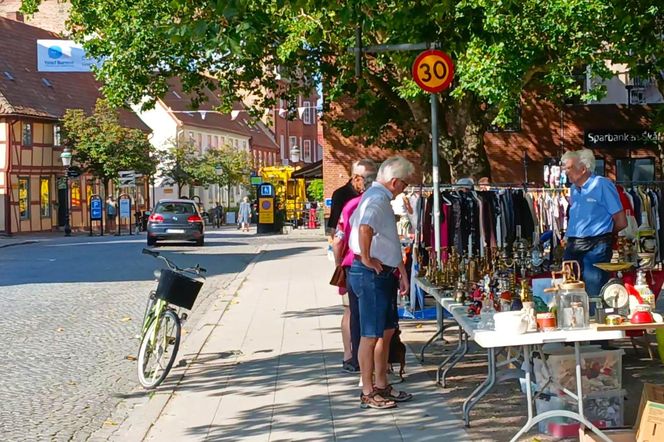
[(109, 263)]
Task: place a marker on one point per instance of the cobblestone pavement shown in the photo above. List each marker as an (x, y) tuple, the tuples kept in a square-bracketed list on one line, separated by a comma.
[(71, 308)]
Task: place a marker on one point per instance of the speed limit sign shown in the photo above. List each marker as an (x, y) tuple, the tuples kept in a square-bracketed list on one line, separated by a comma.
[(433, 71)]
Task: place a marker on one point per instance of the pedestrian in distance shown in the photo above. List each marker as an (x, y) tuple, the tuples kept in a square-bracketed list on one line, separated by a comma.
[(111, 213), (343, 256), (218, 215), (595, 216), (244, 213), (377, 275)]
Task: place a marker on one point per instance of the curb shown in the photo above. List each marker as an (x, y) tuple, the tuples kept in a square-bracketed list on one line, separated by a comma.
[(142, 412), (20, 243)]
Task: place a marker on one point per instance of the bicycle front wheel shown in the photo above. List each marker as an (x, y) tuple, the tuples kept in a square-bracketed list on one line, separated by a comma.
[(158, 349)]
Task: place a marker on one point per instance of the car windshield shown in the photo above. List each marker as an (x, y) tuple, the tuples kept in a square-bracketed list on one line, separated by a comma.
[(178, 208)]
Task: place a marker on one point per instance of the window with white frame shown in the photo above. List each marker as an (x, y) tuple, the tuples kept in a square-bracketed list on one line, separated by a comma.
[(292, 141), (57, 135), (306, 149), (306, 117)]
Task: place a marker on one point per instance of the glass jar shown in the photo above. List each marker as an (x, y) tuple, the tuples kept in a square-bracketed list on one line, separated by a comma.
[(572, 307)]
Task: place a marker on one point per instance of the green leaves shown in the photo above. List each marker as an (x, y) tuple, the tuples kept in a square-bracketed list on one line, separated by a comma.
[(103, 146)]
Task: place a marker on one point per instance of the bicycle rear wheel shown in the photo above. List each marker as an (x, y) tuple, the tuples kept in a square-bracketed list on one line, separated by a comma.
[(158, 349)]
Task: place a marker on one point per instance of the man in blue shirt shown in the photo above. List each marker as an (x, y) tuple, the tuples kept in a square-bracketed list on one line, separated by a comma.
[(595, 214)]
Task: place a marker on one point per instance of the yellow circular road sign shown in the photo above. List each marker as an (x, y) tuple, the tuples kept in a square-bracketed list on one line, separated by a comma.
[(433, 71)]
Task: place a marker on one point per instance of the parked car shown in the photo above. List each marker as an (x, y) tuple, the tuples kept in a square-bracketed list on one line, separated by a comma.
[(176, 219)]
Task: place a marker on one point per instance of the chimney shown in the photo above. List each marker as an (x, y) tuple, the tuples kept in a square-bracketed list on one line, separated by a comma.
[(16, 16)]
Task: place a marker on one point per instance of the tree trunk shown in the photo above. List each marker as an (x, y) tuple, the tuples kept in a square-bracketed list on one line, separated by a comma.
[(463, 148), (461, 127)]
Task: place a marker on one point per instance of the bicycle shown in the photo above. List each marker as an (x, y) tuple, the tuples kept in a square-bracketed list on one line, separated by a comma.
[(162, 323)]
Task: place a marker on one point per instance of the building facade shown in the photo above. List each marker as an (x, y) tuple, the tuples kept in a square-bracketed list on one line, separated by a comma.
[(297, 128), (173, 122), (34, 189)]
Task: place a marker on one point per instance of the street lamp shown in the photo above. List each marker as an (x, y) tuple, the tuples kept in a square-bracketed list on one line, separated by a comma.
[(65, 156), (295, 154)]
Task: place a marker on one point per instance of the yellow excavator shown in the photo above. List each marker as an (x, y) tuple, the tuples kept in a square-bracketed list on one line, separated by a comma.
[(291, 192)]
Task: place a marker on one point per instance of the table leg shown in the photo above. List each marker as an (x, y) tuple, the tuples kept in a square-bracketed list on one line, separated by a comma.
[(456, 359), (428, 343), (440, 320), (579, 417), (481, 389), (451, 356)]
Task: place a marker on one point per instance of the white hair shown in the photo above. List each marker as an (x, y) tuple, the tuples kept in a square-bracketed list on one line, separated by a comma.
[(586, 157), (395, 167), (364, 165)]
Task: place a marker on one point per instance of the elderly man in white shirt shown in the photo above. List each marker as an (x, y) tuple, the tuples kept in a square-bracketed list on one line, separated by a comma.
[(373, 277)]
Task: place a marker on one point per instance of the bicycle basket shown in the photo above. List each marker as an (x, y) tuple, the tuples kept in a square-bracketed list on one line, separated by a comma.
[(178, 289)]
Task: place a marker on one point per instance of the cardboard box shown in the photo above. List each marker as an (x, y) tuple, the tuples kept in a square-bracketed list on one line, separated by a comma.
[(651, 414), (585, 435), (649, 425)]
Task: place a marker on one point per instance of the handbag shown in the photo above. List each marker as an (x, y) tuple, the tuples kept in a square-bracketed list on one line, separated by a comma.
[(339, 277)]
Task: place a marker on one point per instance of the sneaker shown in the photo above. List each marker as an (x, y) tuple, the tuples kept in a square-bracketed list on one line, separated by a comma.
[(348, 367)]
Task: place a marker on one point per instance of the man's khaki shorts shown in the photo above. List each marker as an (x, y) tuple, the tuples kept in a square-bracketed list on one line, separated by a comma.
[(344, 300)]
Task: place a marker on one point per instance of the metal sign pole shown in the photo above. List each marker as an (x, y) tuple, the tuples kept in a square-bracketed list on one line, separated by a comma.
[(436, 179)]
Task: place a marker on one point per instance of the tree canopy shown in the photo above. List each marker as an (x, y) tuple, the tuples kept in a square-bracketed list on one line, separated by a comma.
[(500, 49), (103, 147)]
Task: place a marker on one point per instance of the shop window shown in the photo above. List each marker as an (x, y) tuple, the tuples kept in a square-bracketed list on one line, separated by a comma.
[(76, 193), (89, 191), (44, 197), (639, 170), (27, 134), (24, 197), (600, 167)]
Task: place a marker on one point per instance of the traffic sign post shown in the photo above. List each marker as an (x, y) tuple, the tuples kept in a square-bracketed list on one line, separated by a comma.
[(96, 212), (433, 71), (124, 203)]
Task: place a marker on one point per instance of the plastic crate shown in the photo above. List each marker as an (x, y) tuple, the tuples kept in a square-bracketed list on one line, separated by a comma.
[(601, 370), (604, 410), (178, 289), (607, 407)]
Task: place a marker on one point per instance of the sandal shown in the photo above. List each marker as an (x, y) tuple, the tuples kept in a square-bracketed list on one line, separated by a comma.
[(388, 393), (372, 401)]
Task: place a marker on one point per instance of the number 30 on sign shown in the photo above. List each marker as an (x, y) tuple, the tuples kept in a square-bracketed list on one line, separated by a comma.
[(433, 71)]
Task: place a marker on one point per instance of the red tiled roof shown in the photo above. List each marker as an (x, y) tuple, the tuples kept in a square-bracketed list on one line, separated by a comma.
[(179, 101), (28, 94)]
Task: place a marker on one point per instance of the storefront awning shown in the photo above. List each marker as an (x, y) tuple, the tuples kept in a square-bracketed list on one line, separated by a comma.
[(313, 170)]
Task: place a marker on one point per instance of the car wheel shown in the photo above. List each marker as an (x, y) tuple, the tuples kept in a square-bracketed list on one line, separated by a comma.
[(152, 242), (200, 241)]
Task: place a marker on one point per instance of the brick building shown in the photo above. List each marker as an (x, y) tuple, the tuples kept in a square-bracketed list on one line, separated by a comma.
[(33, 189), (300, 131), (618, 128)]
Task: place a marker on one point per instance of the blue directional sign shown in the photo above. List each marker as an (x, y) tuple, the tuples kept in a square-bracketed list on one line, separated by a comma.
[(328, 202), (96, 208)]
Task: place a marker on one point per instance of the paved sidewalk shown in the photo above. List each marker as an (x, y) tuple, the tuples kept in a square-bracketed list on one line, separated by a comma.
[(270, 370)]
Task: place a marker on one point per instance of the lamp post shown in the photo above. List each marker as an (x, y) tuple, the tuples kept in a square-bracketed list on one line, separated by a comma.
[(295, 154), (65, 156), (218, 171)]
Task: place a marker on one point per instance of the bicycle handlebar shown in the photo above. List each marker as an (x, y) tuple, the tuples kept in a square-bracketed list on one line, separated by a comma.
[(197, 269)]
